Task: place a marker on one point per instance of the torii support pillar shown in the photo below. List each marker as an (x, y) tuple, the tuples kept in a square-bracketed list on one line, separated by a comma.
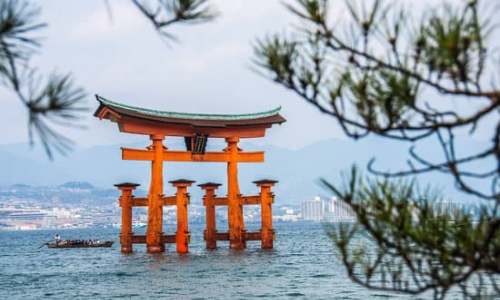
[(183, 236), (155, 208), (208, 201), (126, 204), (267, 199), (234, 206)]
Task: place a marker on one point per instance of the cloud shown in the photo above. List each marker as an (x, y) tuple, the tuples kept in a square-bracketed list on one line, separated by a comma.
[(98, 26), (196, 63), (244, 9)]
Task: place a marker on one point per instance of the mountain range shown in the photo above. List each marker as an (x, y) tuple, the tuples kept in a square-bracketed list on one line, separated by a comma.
[(298, 171)]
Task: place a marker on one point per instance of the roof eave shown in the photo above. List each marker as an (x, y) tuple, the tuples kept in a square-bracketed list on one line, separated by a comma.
[(205, 117)]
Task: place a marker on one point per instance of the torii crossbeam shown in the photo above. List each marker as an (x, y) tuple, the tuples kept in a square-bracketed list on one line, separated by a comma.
[(196, 129)]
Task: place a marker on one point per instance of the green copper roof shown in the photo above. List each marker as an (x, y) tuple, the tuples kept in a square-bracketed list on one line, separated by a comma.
[(180, 115)]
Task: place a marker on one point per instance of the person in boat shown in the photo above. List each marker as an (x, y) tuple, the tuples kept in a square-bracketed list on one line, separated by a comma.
[(57, 238)]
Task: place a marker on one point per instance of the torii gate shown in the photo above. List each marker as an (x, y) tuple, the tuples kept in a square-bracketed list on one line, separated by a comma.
[(196, 129)]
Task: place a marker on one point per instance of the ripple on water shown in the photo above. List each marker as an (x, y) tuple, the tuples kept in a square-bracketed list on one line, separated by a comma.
[(301, 266), (382, 295)]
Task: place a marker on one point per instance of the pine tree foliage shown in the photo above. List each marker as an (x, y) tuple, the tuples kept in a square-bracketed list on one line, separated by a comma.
[(164, 13), (49, 101), (382, 71), (54, 100)]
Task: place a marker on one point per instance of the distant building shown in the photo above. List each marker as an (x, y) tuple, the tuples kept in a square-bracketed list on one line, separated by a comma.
[(313, 210), (339, 211)]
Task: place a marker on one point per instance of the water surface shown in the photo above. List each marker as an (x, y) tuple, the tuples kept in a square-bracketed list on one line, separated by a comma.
[(303, 265)]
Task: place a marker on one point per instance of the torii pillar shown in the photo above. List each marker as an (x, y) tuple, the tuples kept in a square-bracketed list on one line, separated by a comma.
[(210, 233), (234, 207), (155, 207), (126, 204), (182, 199), (267, 199)]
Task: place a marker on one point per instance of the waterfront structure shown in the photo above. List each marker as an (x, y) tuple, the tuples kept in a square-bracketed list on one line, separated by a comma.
[(196, 129), (313, 210), (339, 211)]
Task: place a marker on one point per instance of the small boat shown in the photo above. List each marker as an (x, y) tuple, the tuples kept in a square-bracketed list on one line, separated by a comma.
[(105, 244)]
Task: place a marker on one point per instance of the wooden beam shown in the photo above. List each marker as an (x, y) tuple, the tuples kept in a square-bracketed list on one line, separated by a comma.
[(187, 156), (168, 239), (217, 201), (250, 200), (137, 202), (165, 239), (138, 125), (137, 154), (251, 157), (245, 200), (138, 239), (143, 202), (222, 236), (248, 236), (252, 236), (169, 200)]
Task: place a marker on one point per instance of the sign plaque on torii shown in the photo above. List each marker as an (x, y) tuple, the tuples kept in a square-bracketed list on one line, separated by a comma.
[(196, 129)]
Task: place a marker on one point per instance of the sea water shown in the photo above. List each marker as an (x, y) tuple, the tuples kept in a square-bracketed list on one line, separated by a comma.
[(303, 265)]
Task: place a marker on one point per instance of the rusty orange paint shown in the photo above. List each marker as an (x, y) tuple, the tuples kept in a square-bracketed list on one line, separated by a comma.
[(126, 205), (211, 226), (155, 211), (267, 230), (182, 235), (164, 201), (141, 126), (218, 201), (234, 209), (107, 113), (267, 219), (157, 126), (186, 156)]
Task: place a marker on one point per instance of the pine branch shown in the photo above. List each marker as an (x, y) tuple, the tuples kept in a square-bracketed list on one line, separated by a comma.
[(370, 79), (164, 13), (57, 102)]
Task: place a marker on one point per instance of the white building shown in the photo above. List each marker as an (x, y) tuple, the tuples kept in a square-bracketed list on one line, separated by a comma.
[(338, 210), (313, 210)]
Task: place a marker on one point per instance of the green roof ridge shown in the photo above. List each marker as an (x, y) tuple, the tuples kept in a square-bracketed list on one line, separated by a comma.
[(182, 115)]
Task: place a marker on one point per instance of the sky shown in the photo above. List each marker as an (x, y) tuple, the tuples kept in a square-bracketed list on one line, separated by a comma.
[(123, 59)]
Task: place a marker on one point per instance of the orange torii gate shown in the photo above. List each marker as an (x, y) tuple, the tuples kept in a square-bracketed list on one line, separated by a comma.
[(196, 129)]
